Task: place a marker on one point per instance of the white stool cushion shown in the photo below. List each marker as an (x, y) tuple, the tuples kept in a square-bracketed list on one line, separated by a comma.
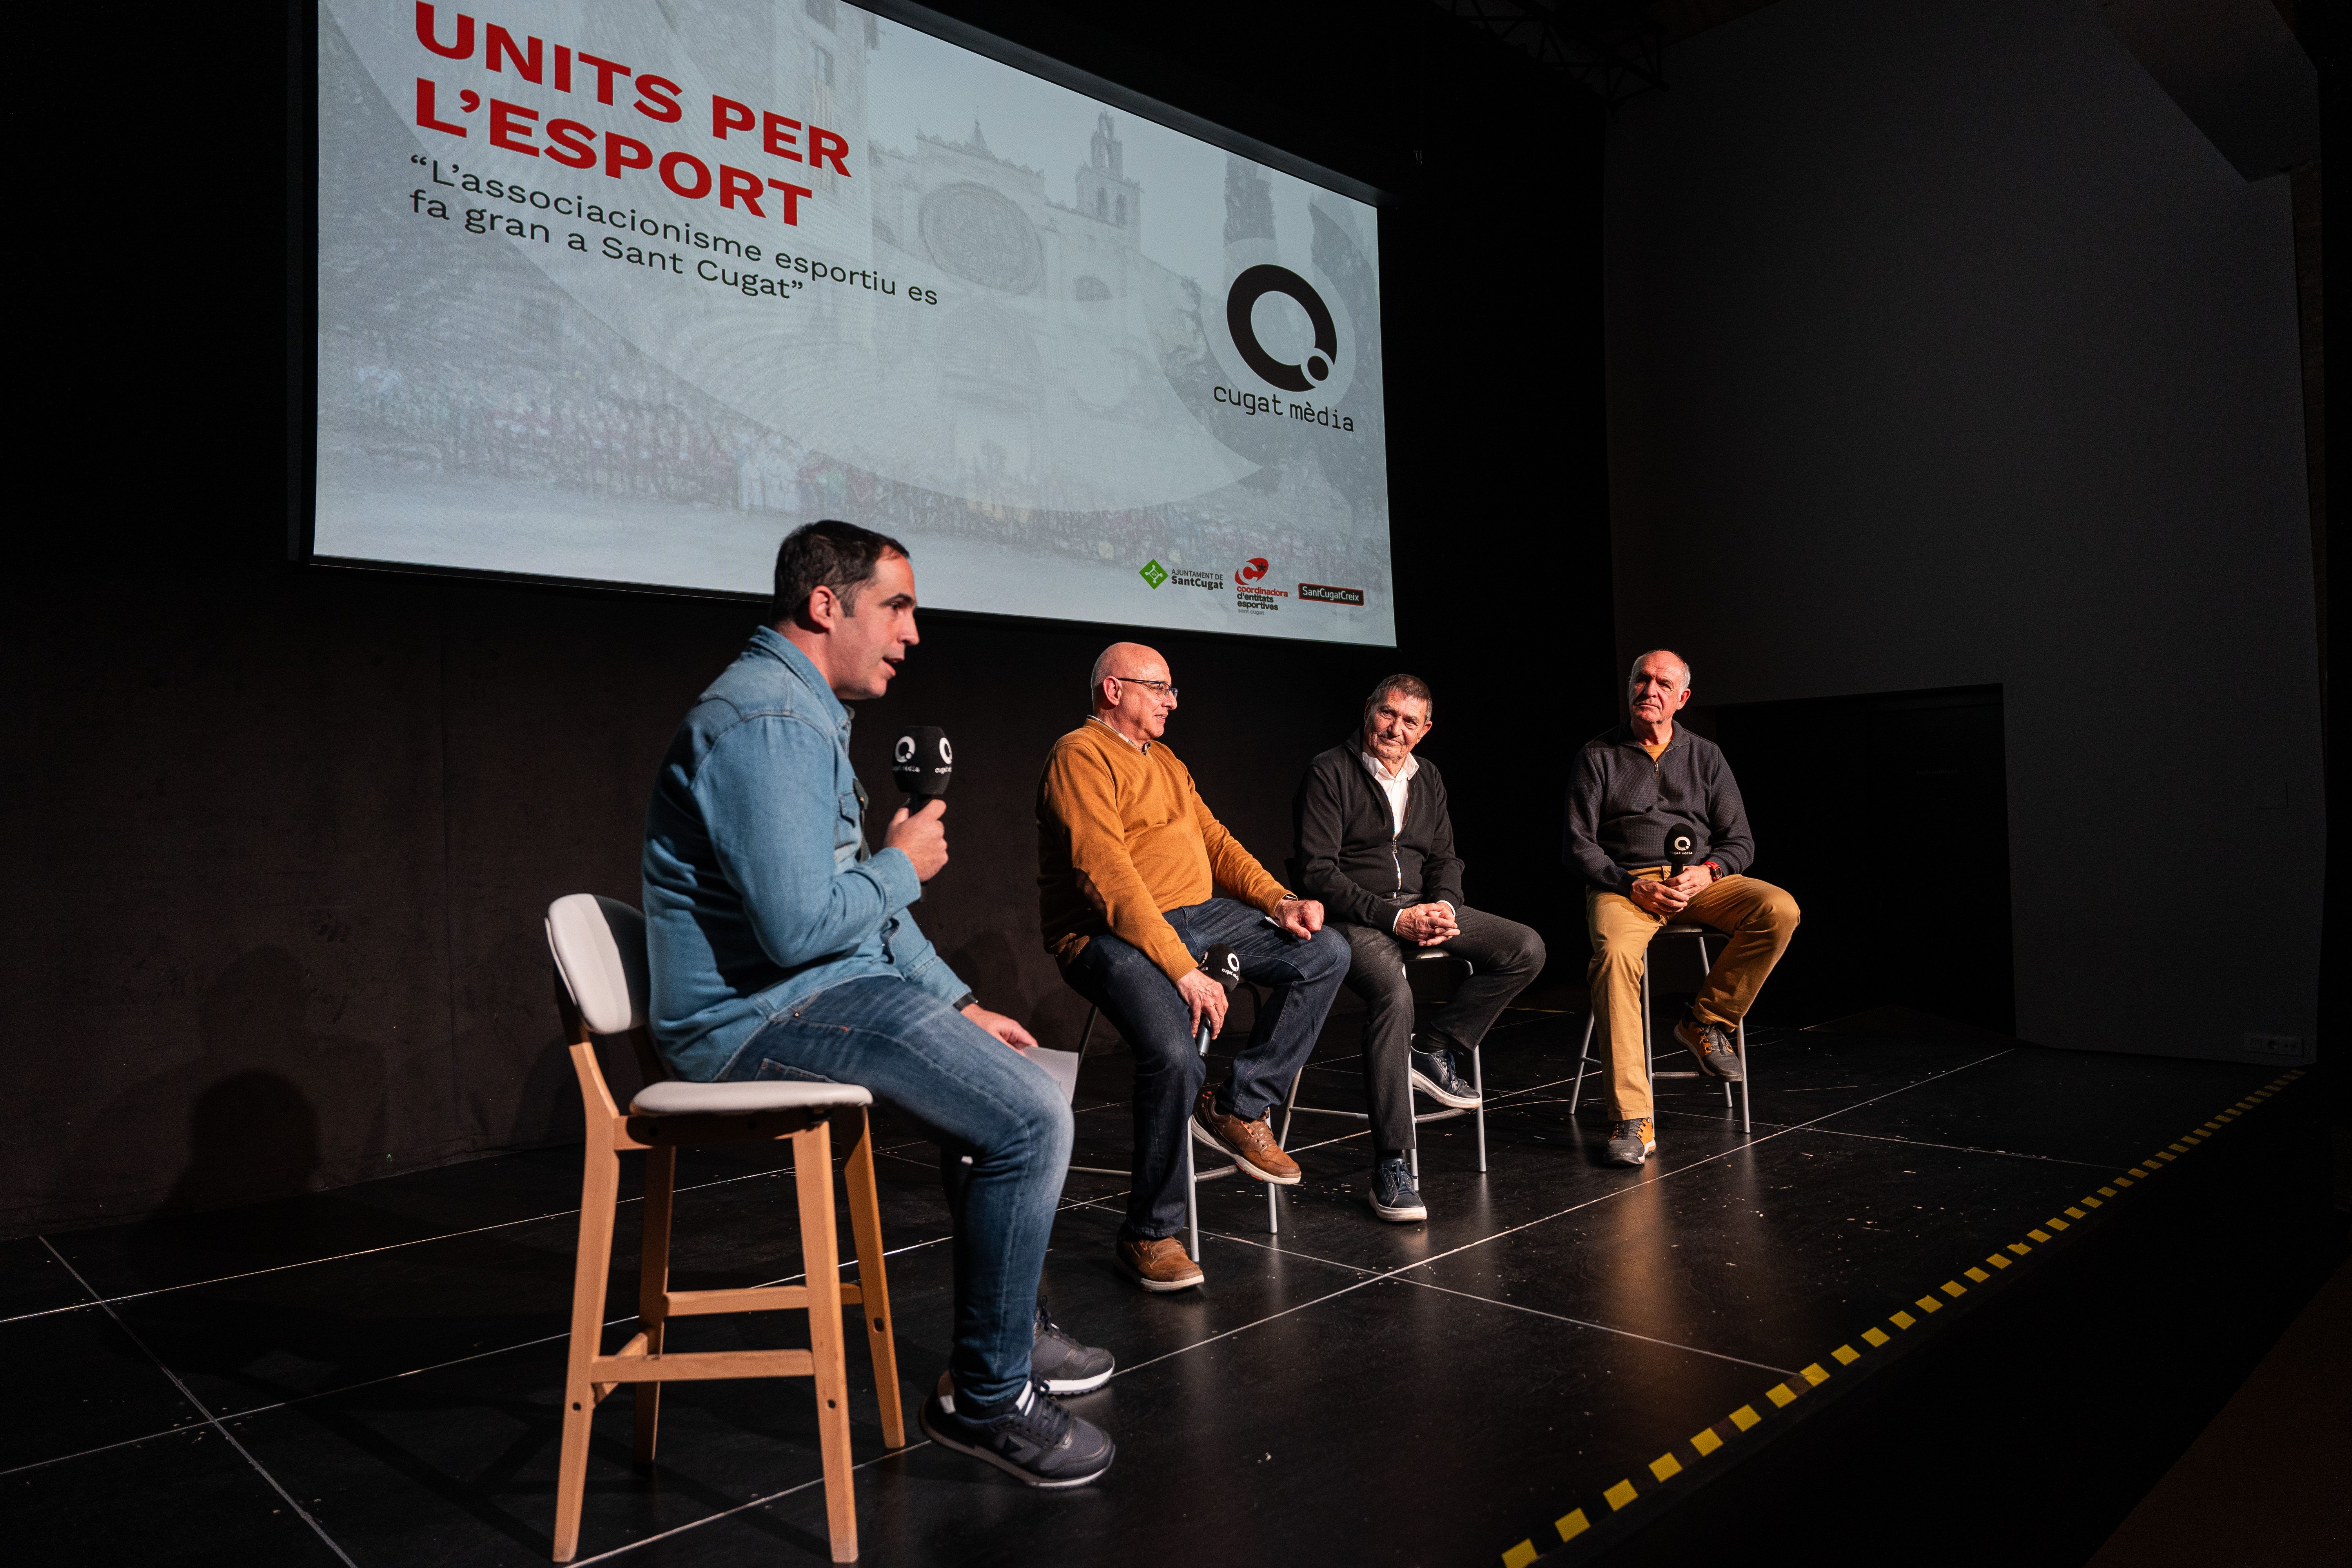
[(1062, 1067), (675, 1098)]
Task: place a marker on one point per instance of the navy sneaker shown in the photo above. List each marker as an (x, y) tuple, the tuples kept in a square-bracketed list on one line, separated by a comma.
[(1434, 1073), (1393, 1193), (1035, 1441), (1063, 1365), (1713, 1045)]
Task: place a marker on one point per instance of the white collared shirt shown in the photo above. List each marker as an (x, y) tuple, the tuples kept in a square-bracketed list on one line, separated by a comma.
[(1394, 785), (1139, 745)]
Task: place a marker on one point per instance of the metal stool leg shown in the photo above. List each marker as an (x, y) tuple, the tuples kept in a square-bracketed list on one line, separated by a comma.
[(1477, 1082), (1413, 1151), (1191, 1202), (1743, 1078), (1583, 1055), (1648, 1050)]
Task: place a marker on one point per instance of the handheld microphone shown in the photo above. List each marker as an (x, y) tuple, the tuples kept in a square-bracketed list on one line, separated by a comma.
[(1681, 845), (921, 764), (1224, 967)]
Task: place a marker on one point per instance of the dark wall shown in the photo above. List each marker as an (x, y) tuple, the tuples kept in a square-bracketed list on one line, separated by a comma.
[(1858, 791), (1946, 351), (284, 834)]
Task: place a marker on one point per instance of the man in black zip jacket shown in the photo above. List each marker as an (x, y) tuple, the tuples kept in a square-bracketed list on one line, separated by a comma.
[(1632, 786), (1376, 846)]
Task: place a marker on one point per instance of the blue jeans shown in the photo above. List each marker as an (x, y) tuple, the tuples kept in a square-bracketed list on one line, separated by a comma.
[(1150, 1014), (978, 1097)]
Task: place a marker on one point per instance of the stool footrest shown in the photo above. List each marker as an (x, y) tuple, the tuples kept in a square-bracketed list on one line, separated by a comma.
[(755, 1299), (642, 1368)]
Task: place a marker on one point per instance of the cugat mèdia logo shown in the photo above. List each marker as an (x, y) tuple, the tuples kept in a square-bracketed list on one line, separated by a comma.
[(1286, 351), (1241, 303)]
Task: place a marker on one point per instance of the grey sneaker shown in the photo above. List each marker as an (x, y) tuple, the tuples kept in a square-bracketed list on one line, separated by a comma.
[(1062, 1365), (1633, 1143), (1434, 1073), (1711, 1042), (1037, 1441), (1393, 1193)]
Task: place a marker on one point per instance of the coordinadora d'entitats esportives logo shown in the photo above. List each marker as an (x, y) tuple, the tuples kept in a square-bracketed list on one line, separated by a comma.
[(1256, 569), (1255, 283)]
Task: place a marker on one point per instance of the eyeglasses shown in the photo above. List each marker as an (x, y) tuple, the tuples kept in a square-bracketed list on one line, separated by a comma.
[(1157, 688)]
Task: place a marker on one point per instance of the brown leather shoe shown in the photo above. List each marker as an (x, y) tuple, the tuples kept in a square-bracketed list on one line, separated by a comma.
[(1249, 1144), (1157, 1265)]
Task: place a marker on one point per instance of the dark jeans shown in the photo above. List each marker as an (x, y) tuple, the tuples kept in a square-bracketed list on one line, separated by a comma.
[(978, 1097), (1150, 1014), (1505, 954)]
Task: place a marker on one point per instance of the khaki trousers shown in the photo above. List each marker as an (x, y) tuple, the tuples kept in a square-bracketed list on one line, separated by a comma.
[(1758, 918)]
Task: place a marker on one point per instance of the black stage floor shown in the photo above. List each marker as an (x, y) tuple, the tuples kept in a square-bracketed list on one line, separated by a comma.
[(1711, 1351)]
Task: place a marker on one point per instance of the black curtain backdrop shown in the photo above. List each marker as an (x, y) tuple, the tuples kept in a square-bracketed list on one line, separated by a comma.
[(284, 834)]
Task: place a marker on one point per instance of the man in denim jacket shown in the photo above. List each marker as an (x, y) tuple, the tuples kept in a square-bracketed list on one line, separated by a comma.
[(780, 948)]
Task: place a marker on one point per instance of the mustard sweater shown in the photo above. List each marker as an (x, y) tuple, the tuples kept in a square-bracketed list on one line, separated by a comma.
[(1123, 834)]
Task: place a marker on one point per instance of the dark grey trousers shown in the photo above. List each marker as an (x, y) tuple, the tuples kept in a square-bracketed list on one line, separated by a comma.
[(1505, 955)]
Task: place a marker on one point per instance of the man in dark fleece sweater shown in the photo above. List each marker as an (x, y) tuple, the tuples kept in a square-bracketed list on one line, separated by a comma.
[(1632, 785), (1376, 847)]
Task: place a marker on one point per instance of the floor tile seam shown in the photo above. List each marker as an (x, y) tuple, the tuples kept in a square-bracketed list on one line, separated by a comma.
[(1603, 1327), (1964, 1148), (249, 1412), (502, 1225), (622, 1321), (755, 1502), (1571, 1525), (200, 1407), (199, 1424), (914, 1246), (1245, 1327), (1744, 1145), (1091, 1203), (97, 1300), (1289, 1252)]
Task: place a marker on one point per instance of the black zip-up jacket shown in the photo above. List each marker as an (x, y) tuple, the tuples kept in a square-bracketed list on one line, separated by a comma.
[(1350, 856), (1620, 805)]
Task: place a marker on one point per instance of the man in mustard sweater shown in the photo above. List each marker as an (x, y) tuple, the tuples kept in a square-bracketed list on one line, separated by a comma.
[(1136, 880)]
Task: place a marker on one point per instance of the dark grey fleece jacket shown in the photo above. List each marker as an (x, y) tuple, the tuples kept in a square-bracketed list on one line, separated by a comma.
[(1350, 856), (1620, 805)]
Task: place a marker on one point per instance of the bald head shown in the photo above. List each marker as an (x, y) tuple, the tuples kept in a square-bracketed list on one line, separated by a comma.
[(1130, 691), (1124, 658)]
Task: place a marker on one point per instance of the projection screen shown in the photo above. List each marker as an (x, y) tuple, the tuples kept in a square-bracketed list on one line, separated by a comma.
[(621, 291)]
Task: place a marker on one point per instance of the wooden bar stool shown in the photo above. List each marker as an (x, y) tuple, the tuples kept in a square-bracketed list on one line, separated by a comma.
[(600, 956)]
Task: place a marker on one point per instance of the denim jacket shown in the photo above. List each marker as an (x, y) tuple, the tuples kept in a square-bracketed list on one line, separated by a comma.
[(758, 888)]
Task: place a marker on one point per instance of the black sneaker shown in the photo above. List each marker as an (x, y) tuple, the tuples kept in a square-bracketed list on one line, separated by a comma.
[(1393, 1194), (1434, 1075), (1063, 1365), (1037, 1441), (1633, 1143)]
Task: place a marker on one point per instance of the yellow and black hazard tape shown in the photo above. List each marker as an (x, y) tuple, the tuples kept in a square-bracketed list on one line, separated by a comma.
[(1780, 1395)]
